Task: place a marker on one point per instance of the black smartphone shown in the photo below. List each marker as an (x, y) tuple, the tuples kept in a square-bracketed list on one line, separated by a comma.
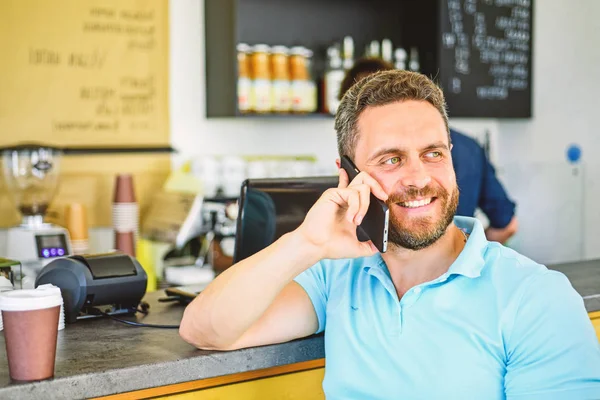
[(374, 226)]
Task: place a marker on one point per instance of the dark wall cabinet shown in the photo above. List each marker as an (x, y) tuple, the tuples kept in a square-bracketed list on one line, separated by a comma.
[(479, 51)]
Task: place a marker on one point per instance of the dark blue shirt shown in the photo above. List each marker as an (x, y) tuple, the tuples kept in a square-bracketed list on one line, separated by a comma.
[(478, 184)]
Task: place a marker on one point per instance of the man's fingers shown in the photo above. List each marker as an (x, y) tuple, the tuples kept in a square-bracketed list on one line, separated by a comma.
[(365, 197), (348, 199), (375, 187), (353, 200), (343, 182)]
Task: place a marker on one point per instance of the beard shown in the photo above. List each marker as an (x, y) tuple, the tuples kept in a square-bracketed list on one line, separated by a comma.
[(421, 232)]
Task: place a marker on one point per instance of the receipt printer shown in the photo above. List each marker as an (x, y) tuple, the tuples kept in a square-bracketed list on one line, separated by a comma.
[(112, 283)]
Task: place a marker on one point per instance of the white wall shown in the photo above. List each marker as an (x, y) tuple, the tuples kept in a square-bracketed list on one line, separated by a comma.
[(566, 59), (565, 105)]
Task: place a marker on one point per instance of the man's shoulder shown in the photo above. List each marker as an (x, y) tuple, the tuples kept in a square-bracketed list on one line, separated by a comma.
[(516, 276), (506, 266)]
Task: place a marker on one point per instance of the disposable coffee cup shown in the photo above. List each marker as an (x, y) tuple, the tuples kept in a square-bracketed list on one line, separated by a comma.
[(55, 290), (5, 285), (30, 319)]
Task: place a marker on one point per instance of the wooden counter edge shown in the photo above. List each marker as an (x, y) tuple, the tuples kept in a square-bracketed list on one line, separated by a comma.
[(216, 381)]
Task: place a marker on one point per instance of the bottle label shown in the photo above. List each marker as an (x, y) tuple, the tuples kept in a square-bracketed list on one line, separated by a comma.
[(310, 97), (244, 93), (298, 95), (282, 99), (333, 82), (262, 95)]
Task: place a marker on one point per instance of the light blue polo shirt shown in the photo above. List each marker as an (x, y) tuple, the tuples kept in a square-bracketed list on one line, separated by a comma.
[(495, 326)]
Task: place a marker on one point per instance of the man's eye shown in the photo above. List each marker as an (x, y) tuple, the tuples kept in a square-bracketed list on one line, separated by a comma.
[(392, 161), (434, 154)]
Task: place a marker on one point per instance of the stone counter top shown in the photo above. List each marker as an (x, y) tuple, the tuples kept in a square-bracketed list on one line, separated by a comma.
[(103, 357), (585, 278)]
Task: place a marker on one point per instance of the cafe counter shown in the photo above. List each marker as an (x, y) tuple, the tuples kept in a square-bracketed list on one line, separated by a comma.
[(105, 358), (102, 357)]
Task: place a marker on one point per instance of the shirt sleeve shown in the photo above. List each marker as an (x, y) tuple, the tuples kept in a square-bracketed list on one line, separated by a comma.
[(552, 350), (314, 284), (493, 200)]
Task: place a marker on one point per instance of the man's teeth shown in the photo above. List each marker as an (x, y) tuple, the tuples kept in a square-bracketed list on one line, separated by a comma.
[(415, 204)]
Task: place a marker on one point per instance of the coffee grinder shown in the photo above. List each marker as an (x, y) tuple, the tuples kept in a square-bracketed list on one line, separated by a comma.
[(31, 175)]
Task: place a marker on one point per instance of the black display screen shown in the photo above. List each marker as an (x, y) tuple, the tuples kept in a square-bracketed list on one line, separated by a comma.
[(51, 246), (269, 208)]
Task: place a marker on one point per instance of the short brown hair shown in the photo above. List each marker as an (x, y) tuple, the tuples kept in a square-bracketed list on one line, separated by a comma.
[(379, 89), (362, 68)]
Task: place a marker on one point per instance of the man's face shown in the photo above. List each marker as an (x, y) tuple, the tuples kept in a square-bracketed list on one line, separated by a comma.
[(404, 146)]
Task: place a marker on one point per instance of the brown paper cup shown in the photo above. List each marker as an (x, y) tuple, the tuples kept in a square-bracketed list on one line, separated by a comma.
[(30, 320), (125, 242)]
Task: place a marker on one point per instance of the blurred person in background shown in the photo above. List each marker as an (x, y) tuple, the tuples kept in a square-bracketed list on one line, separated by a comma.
[(476, 176)]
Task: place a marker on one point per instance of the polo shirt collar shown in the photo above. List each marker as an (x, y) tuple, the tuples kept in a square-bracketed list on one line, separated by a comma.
[(469, 262)]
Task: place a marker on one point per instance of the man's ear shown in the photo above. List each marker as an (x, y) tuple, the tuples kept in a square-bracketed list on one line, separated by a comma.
[(451, 146), (338, 163)]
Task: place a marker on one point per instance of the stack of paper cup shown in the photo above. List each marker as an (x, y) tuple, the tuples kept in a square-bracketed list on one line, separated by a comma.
[(76, 224), (55, 291), (125, 214)]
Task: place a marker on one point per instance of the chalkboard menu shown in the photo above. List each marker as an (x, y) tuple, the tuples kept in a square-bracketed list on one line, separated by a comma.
[(485, 57)]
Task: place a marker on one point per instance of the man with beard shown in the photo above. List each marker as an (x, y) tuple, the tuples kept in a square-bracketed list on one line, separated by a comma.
[(443, 314)]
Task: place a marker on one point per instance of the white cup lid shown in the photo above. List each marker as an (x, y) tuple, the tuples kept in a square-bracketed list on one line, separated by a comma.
[(29, 299), (49, 287)]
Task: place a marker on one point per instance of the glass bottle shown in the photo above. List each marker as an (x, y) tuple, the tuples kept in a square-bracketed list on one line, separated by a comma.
[(280, 84), (261, 79), (310, 103), (244, 81), (334, 75), (299, 76)]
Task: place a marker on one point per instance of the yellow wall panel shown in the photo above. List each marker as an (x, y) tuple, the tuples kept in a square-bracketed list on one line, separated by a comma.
[(91, 72), (595, 316), (306, 385)]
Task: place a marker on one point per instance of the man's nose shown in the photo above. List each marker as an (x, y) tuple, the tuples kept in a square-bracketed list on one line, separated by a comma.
[(415, 174)]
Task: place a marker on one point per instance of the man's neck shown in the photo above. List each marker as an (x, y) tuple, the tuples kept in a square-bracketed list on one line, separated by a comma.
[(409, 268)]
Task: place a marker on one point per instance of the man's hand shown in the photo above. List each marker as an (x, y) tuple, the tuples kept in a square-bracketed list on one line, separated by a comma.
[(230, 313), (330, 225), (501, 235)]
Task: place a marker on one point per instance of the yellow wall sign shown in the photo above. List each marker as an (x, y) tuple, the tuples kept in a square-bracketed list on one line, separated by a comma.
[(84, 73)]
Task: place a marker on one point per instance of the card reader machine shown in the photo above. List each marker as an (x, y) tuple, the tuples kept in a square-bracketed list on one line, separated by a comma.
[(113, 283)]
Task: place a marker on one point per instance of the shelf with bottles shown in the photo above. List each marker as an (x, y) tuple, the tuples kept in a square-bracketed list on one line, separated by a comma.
[(249, 42), (279, 81), (275, 80)]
